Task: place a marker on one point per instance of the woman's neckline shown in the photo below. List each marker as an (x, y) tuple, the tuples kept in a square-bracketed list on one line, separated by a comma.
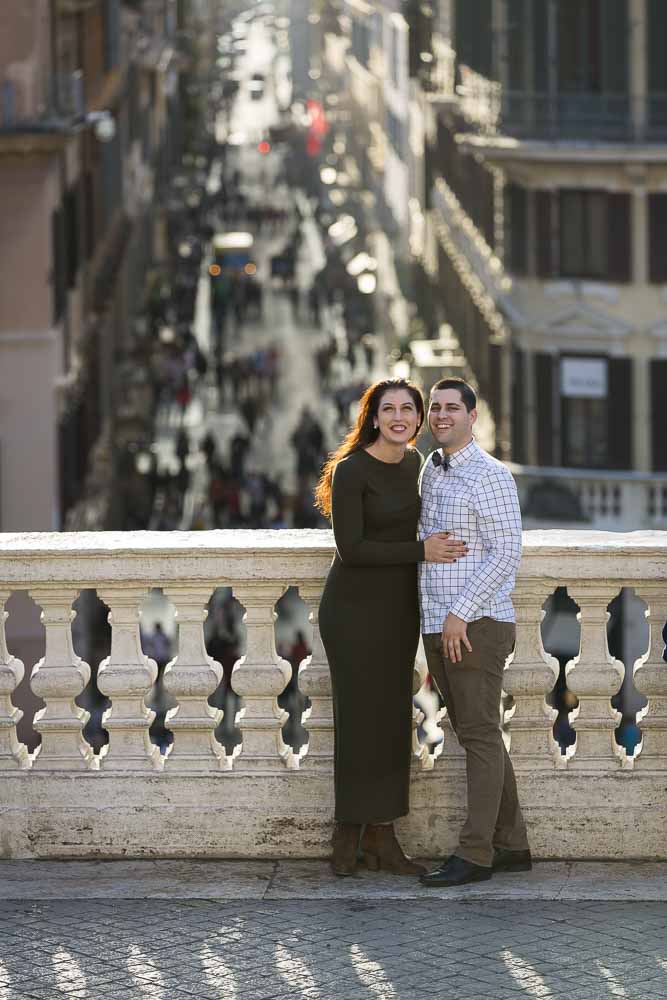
[(381, 460)]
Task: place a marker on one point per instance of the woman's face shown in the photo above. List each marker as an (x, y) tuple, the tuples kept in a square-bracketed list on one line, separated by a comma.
[(397, 416)]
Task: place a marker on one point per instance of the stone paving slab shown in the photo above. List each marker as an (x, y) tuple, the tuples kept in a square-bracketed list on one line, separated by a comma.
[(293, 880), (329, 949), (268, 930), (135, 879)]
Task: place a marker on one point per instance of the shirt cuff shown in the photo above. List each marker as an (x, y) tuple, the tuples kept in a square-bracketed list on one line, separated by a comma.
[(463, 609)]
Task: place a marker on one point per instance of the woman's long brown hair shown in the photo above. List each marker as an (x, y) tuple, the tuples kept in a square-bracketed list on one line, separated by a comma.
[(364, 433)]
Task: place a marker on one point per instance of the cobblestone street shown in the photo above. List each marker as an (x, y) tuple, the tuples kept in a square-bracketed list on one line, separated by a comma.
[(263, 929)]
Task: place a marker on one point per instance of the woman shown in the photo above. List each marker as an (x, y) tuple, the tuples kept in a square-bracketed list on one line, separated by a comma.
[(369, 619)]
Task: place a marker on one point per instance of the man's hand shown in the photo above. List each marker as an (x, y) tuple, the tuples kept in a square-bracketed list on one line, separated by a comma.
[(454, 632)]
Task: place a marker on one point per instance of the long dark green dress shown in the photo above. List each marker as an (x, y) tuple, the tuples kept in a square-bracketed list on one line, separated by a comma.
[(369, 620)]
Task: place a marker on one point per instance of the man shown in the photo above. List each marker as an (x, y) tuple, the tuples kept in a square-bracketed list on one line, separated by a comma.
[(468, 628)]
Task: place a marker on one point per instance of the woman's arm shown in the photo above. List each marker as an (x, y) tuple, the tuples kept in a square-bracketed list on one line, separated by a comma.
[(348, 525)]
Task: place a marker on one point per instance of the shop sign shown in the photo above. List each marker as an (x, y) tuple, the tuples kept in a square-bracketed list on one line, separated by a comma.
[(583, 378)]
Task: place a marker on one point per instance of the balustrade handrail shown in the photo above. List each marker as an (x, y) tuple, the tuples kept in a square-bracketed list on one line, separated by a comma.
[(74, 557), (599, 475), (563, 115)]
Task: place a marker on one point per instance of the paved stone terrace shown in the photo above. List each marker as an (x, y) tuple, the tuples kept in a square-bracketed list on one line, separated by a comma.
[(255, 930)]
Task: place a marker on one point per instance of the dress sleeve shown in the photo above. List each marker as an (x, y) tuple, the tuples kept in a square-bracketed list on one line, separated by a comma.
[(347, 516)]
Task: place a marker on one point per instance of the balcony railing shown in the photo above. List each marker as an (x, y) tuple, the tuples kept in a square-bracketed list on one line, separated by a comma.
[(21, 110), (561, 117), (264, 798), (612, 501)]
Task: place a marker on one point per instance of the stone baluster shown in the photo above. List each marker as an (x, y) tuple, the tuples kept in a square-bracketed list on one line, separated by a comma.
[(259, 677), (315, 682), (650, 674), (58, 678), (126, 676), (594, 676), (12, 753), (425, 757), (191, 677), (530, 676)]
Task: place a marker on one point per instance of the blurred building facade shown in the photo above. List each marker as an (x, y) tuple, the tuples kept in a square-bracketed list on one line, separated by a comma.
[(549, 161), (89, 126), (516, 153), (368, 54)]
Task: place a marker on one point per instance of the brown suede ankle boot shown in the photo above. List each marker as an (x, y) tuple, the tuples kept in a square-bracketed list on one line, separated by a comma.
[(345, 844), (381, 851)]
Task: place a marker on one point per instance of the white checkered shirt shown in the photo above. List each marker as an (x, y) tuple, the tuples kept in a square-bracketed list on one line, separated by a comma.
[(475, 499)]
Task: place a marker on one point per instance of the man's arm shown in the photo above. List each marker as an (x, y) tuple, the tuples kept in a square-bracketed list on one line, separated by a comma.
[(499, 524)]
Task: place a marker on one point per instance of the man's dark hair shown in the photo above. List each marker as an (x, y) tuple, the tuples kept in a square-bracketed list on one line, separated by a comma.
[(454, 382)]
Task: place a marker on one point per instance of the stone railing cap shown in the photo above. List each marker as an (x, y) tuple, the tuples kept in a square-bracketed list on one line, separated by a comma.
[(286, 541)]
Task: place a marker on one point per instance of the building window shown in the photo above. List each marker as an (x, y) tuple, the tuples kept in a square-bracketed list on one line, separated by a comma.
[(593, 46), (596, 412), (584, 228), (579, 55), (474, 35), (584, 394), (584, 234), (585, 443)]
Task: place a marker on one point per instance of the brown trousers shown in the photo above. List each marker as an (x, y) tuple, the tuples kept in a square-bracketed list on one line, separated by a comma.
[(471, 690)]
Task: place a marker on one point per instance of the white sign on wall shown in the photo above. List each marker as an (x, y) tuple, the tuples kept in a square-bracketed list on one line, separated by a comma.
[(583, 378)]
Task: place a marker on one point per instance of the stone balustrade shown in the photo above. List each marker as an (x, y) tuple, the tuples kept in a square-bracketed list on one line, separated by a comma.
[(599, 499), (267, 799)]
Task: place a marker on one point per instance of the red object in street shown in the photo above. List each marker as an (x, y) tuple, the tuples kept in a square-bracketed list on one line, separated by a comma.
[(264, 147), (317, 129)]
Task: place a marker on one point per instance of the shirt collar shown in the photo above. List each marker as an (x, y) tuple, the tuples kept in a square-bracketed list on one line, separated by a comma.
[(463, 455)]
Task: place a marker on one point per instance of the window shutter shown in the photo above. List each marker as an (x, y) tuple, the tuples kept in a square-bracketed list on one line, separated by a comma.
[(544, 368), (518, 449), (474, 35), (659, 415), (58, 272), (543, 201), (516, 43), (541, 46), (614, 30), (516, 232), (657, 235), (657, 32), (620, 413), (619, 237), (71, 205)]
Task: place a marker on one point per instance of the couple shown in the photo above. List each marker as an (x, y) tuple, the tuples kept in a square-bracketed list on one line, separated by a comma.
[(469, 547)]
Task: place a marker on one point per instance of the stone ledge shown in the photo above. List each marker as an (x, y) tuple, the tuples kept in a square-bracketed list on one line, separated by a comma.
[(229, 557), (312, 880)]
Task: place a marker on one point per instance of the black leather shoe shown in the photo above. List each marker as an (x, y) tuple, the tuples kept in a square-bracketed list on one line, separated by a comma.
[(511, 861), (456, 871)]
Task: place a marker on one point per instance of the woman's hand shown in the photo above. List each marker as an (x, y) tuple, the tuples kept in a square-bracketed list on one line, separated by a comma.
[(442, 548)]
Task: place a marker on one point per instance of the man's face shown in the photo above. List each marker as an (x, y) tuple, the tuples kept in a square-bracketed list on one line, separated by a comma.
[(451, 424)]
